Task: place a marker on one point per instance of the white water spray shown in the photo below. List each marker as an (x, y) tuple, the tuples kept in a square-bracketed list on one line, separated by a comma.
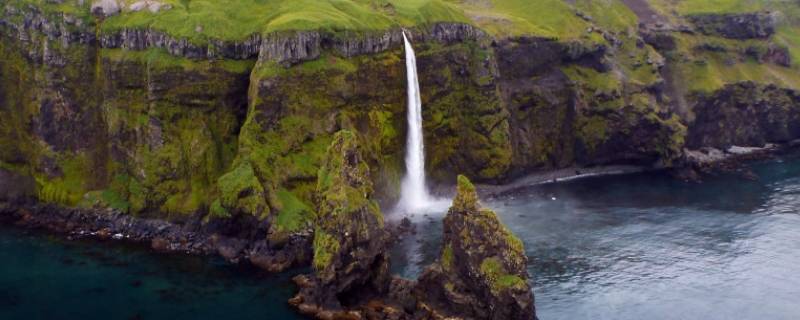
[(414, 196)]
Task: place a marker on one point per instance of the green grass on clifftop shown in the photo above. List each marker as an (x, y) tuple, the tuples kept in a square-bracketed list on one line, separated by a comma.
[(199, 20), (202, 20)]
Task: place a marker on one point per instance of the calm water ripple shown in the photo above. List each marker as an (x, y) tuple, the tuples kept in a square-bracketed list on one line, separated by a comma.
[(648, 247), (44, 277)]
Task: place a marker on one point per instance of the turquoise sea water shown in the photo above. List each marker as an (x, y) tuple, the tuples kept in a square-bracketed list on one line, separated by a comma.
[(637, 246)]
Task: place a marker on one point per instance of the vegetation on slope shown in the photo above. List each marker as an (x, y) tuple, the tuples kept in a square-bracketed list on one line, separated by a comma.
[(179, 119), (201, 20), (705, 63)]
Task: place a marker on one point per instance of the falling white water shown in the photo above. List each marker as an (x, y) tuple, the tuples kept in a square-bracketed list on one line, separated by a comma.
[(414, 196)]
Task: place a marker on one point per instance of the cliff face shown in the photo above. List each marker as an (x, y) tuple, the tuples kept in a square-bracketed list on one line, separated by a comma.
[(745, 114), (149, 134), (131, 119)]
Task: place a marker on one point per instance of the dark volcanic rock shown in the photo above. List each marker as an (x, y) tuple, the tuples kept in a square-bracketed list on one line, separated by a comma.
[(15, 187), (661, 40), (745, 114), (350, 259), (481, 273), (235, 241), (773, 53), (735, 26)]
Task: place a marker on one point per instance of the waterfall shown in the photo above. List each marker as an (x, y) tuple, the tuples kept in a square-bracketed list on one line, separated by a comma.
[(414, 192)]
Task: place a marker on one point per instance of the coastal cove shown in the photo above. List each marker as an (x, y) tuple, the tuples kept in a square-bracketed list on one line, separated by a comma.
[(399, 159), (608, 247), (645, 245)]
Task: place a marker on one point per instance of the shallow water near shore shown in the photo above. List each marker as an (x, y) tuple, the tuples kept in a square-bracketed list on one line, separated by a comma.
[(638, 246), (48, 277), (644, 246)]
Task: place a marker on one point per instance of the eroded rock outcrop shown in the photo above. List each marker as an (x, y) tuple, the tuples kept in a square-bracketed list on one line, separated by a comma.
[(735, 26), (350, 258), (745, 114), (481, 272), (298, 46), (105, 8)]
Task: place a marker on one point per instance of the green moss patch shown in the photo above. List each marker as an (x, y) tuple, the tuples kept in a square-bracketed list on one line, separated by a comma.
[(447, 257), (293, 213), (240, 190), (69, 187), (497, 276), (325, 248)]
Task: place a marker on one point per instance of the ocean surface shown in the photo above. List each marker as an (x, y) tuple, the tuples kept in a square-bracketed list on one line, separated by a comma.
[(645, 246), (639, 246), (48, 277)]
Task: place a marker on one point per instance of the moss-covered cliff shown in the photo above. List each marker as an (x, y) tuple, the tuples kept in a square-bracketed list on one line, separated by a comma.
[(186, 111)]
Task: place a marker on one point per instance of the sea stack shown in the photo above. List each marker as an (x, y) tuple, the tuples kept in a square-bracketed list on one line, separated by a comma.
[(481, 270), (350, 257)]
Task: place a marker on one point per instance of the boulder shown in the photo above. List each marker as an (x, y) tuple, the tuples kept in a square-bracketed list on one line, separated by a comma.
[(481, 271), (105, 8), (152, 6), (350, 258)]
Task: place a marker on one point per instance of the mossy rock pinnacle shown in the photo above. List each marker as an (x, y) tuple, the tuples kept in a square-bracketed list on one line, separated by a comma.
[(350, 239), (490, 279), (466, 197)]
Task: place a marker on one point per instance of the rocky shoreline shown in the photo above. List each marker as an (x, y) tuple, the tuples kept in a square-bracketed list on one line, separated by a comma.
[(190, 237), (394, 298), (236, 241), (349, 255), (694, 165)]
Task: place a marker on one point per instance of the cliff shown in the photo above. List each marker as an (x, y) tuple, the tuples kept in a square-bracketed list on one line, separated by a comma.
[(227, 119), (99, 111)]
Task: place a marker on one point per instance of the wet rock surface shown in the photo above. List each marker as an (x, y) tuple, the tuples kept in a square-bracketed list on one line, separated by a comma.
[(16, 187)]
